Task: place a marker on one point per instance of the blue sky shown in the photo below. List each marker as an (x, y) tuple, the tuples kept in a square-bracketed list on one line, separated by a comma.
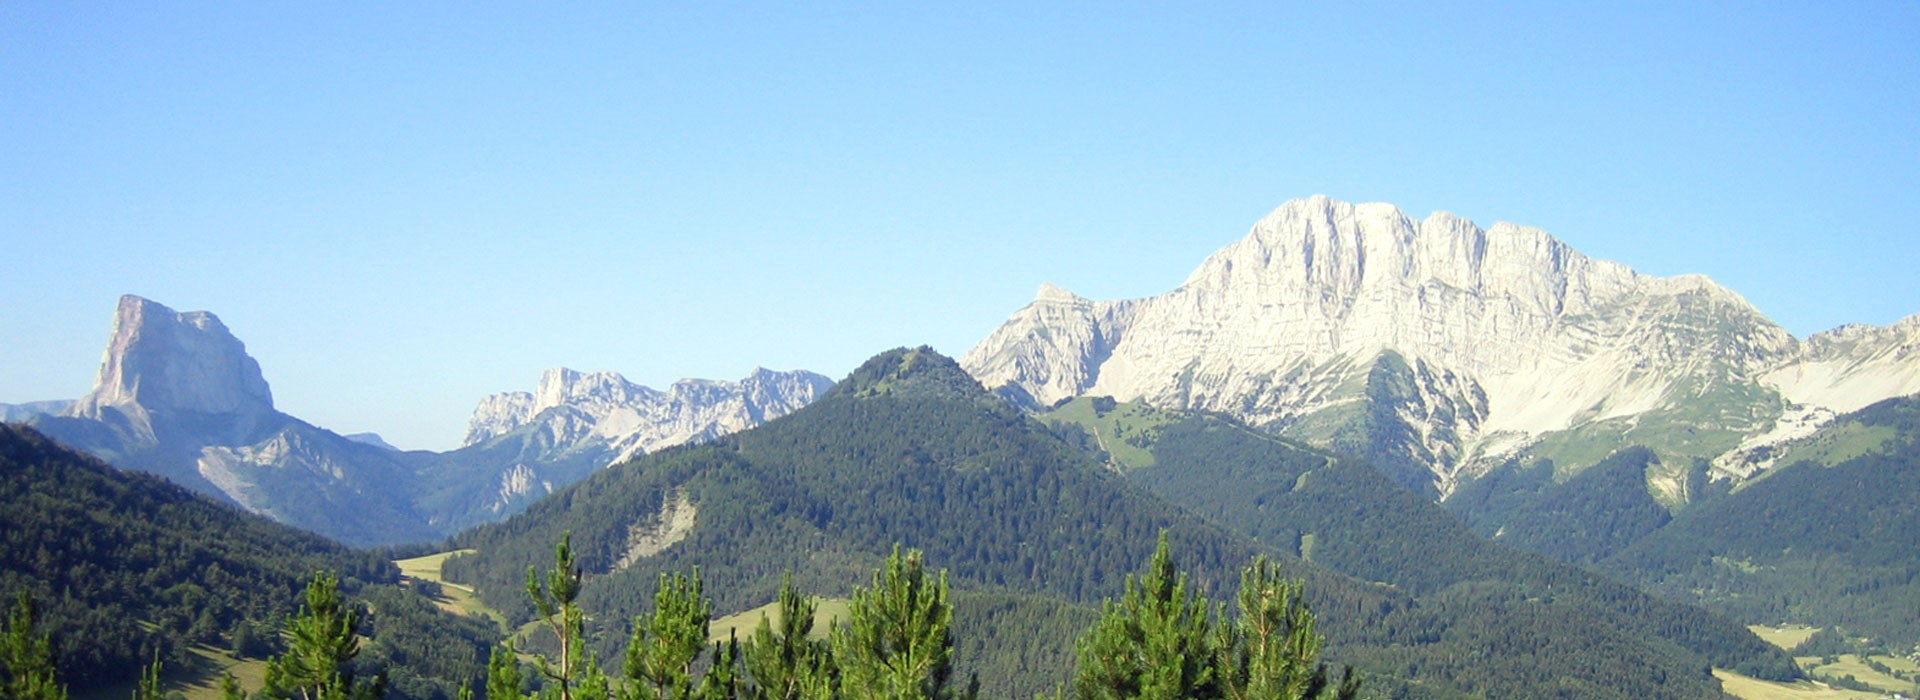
[(403, 209)]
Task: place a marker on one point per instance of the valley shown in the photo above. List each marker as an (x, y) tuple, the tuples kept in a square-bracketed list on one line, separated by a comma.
[(1498, 469)]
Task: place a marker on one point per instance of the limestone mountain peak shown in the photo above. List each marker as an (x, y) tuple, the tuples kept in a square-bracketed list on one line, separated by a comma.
[(159, 359), (1331, 319)]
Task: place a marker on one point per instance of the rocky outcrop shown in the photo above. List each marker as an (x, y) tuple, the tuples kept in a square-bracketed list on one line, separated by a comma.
[(603, 408), (178, 395), (1512, 342), (159, 359)]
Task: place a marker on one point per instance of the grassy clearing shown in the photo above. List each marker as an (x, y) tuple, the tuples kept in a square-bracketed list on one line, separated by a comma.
[(1117, 429), (1747, 688), (1856, 666), (828, 612), (454, 598), (1786, 637), (427, 568), (200, 681)]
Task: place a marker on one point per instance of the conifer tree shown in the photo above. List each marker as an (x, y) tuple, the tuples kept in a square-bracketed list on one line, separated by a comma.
[(503, 675), (1156, 643), (787, 664), (663, 649), (576, 675), (898, 643), (1162, 642), (26, 659), (722, 681), (149, 687), (1274, 650), (230, 688), (321, 643)]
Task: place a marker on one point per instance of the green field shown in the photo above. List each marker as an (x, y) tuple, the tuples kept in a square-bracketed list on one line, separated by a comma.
[(1786, 637), (1119, 431), (1856, 666), (454, 598), (1747, 688), (827, 612), (201, 681)]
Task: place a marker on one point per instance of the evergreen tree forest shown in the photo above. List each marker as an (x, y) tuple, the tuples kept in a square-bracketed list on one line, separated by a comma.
[(125, 569), (1160, 641), (979, 552)]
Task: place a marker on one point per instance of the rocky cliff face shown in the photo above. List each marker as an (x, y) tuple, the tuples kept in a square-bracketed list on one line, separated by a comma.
[(1438, 347), (165, 360), (522, 445), (604, 407), (178, 395)]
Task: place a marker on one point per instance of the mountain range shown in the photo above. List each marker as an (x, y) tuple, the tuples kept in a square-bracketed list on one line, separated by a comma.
[(178, 395), (1438, 350), (910, 449), (1442, 351), (1419, 417)]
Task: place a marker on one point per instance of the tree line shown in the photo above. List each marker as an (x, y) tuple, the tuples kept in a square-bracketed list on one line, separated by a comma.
[(1162, 639)]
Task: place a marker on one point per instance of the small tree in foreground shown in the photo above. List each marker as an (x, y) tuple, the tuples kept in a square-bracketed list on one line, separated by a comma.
[(787, 664), (321, 641), (1162, 641), (898, 642), (26, 658)]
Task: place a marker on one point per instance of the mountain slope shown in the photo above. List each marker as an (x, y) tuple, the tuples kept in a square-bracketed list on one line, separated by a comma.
[(1344, 515), (522, 445), (1825, 540), (125, 565), (1440, 350), (178, 396), (910, 449)]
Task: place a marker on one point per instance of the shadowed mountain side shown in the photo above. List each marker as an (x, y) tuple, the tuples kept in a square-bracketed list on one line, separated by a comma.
[(911, 450), (126, 567)]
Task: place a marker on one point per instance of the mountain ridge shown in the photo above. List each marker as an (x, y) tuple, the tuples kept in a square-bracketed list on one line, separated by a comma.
[(178, 395), (1514, 345)]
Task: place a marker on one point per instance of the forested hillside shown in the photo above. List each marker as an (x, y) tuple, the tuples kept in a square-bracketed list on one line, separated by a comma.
[(910, 450), (1593, 515), (125, 566), (1588, 636), (1827, 540)]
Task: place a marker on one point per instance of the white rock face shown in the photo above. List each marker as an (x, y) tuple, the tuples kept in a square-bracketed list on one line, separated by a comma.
[(1508, 332), (603, 408), (159, 359), (177, 395)]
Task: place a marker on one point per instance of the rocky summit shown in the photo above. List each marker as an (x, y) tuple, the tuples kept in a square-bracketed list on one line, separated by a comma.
[(522, 445), (628, 418), (1440, 349), (179, 396)]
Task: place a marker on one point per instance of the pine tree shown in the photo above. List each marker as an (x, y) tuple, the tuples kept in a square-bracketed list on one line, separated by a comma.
[(1161, 641), (787, 664), (898, 643), (321, 643), (230, 688), (722, 681), (26, 659), (577, 675), (503, 675), (1156, 643), (1274, 649), (663, 649), (149, 687)]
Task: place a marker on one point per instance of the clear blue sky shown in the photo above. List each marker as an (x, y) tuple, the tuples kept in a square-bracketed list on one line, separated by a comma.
[(403, 209)]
